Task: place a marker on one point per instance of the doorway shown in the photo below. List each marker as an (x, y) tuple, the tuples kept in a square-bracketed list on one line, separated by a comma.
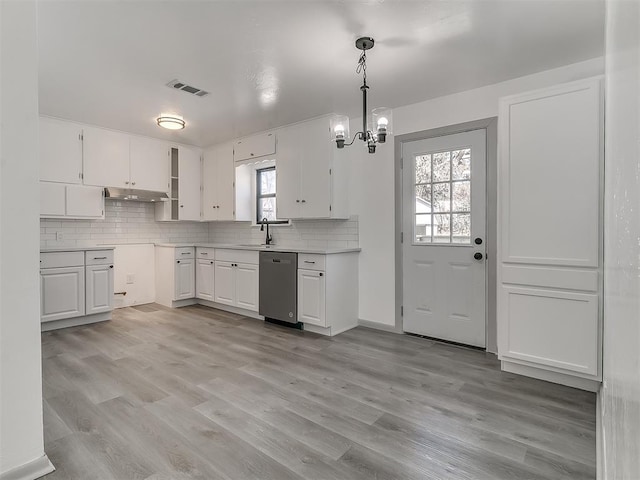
[(446, 221)]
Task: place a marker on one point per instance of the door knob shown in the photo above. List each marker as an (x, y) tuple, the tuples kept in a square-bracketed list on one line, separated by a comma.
[(478, 256), (478, 241)]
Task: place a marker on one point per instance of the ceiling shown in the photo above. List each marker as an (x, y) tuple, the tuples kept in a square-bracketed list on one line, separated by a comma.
[(270, 63)]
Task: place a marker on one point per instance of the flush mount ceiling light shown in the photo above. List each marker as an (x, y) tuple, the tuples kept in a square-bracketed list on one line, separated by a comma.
[(171, 122), (380, 117)]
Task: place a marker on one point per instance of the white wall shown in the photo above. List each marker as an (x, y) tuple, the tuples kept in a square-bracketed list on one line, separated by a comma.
[(620, 395), (372, 176), (21, 439)]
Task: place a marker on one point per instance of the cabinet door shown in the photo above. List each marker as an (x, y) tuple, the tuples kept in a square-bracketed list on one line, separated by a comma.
[(311, 297), (256, 146), (225, 283), (189, 184), (225, 182), (205, 271), (247, 281), (52, 199), (60, 151), (106, 158), (288, 172), (315, 162), (85, 202), (99, 288), (149, 164), (61, 293), (185, 279), (210, 184)]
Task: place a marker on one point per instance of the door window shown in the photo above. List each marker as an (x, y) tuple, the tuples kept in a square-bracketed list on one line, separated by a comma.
[(442, 190)]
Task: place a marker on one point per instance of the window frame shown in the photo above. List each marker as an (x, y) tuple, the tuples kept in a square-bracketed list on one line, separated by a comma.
[(259, 196)]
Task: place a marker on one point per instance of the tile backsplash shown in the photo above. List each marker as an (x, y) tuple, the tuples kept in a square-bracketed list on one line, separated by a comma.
[(128, 222), (124, 222), (301, 233)]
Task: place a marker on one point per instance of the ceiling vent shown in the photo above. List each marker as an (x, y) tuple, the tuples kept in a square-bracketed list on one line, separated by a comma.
[(178, 85)]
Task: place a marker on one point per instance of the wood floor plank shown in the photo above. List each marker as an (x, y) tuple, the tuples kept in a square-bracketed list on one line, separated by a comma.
[(197, 393)]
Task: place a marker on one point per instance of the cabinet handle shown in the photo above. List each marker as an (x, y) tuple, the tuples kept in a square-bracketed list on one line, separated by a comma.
[(304, 201), (202, 253), (181, 206), (99, 258), (297, 201), (307, 261), (133, 183), (110, 266), (211, 263), (178, 261), (320, 274), (185, 253)]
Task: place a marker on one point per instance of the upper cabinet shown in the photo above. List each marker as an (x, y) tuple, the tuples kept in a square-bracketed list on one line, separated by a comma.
[(255, 146), (115, 159), (218, 183), (311, 174), (149, 164), (58, 200), (60, 147), (106, 158), (550, 233), (184, 196)]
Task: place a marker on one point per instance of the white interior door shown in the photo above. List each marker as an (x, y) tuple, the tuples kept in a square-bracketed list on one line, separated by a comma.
[(444, 222)]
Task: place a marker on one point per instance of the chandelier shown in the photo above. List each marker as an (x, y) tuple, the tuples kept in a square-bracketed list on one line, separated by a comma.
[(380, 117)]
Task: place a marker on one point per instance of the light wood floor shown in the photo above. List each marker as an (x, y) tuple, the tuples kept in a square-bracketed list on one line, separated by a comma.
[(199, 393)]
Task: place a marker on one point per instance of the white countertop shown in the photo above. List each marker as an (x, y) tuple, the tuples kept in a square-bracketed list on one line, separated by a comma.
[(263, 248), (76, 249)]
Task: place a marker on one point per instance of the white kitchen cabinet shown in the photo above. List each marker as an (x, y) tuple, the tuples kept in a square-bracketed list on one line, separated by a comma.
[(311, 297), (225, 283), (247, 286), (185, 280), (218, 176), (60, 151), (205, 278), (62, 293), (184, 202), (550, 241), (149, 164), (175, 275), (99, 288), (311, 173), (327, 292), (255, 146), (106, 158), (58, 200)]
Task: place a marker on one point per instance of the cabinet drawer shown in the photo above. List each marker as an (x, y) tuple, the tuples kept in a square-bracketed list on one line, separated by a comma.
[(311, 261), (184, 252), (238, 256), (206, 253), (61, 259), (99, 257)]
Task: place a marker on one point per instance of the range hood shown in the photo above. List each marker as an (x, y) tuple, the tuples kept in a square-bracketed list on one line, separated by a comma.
[(135, 195)]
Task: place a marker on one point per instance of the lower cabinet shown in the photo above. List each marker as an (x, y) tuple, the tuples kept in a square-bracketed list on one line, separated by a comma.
[(312, 297), (185, 280), (175, 274), (75, 284), (236, 284)]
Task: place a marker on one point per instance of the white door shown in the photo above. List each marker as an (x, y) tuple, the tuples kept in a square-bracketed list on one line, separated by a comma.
[(106, 158), (61, 293), (60, 151), (311, 297), (443, 254), (149, 164), (185, 279), (247, 286), (86, 202), (205, 279), (189, 184), (99, 288), (225, 283)]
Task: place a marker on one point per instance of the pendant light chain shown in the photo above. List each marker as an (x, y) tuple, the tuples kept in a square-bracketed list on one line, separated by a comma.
[(362, 66)]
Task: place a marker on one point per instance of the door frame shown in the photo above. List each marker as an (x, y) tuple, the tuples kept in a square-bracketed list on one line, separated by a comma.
[(490, 125)]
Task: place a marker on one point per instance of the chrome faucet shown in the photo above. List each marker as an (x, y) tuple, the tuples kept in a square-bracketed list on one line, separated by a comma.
[(268, 239)]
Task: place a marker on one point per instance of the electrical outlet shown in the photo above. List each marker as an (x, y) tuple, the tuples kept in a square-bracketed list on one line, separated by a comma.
[(59, 236), (131, 278)]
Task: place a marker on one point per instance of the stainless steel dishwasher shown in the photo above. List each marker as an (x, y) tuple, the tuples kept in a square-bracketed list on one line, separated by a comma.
[(279, 286)]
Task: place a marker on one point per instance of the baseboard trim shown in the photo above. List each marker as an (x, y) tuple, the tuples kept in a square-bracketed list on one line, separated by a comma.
[(553, 377), (599, 438), (228, 308), (29, 471), (378, 326), (75, 322)]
